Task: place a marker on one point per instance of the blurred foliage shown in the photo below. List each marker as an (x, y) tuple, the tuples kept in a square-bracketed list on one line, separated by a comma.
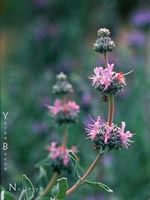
[(43, 37)]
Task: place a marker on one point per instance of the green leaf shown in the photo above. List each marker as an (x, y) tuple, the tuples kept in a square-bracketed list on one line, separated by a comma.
[(28, 188), (59, 190), (23, 195), (6, 195), (55, 191), (42, 175), (76, 165), (98, 185)]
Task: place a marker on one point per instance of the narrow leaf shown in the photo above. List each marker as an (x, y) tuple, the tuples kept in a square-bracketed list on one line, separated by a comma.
[(63, 186), (28, 187), (23, 195), (98, 185), (76, 165), (59, 190), (42, 175), (55, 190)]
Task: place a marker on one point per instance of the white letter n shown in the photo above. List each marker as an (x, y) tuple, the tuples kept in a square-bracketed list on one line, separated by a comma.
[(11, 186)]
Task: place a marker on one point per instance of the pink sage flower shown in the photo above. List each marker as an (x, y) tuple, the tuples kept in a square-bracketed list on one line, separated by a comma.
[(96, 78), (103, 76), (125, 135), (56, 108), (93, 129), (60, 107), (54, 151), (107, 134), (60, 152), (73, 106)]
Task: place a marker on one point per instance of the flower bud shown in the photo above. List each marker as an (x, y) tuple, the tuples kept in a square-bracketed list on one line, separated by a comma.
[(61, 76), (103, 45), (102, 32), (62, 86)]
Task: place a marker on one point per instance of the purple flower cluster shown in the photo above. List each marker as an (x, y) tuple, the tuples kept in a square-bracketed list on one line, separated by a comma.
[(64, 112), (136, 39), (107, 81), (60, 156), (141, 19), (102, 135)]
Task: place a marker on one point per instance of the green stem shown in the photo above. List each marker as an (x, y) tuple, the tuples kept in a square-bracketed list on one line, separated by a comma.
[(106, 60), (65, 137), (111, 109), (49, 186), (88, 172), (111, 98)]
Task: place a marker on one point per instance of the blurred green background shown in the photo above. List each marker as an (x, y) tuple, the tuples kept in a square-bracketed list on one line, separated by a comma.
[(40, 38)]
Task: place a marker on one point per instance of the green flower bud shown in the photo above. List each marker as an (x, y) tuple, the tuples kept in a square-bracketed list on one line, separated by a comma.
[(103, 45), (103, 32), (62, 86), (61, 76)]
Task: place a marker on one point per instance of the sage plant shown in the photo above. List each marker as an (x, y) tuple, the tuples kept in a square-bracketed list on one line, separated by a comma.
[(105, 135), (63, 112)]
